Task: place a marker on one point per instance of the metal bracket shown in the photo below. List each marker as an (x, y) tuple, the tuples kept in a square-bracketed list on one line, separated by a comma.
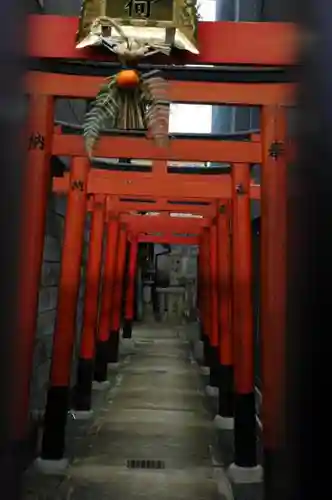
[(240, 189), (276, 149)]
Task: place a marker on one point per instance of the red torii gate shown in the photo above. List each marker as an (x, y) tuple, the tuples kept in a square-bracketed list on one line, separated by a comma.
[(271, 44), (221, 43), (148, 228), (159, 183)]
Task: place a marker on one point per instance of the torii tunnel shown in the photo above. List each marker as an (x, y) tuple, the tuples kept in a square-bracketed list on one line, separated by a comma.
[(170, 400)]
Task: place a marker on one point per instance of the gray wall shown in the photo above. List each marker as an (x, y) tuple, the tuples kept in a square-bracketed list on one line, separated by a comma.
[(48, 301)]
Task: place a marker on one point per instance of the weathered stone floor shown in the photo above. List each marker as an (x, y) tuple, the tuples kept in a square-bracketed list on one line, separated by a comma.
[(154, 411)]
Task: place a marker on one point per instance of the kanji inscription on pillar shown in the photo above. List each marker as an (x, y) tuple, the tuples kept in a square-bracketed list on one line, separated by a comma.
[(36, 141)]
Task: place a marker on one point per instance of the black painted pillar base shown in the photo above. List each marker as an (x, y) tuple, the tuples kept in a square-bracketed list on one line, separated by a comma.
[(226, 391), (127, 329), (101, 359), (113, 347), (201, 332), (214, 367), (83, 388), (206, 350), (245, 430), (55, 420)]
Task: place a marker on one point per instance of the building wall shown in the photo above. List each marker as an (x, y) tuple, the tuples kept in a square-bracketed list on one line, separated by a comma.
[(229, 119), (281, 10)]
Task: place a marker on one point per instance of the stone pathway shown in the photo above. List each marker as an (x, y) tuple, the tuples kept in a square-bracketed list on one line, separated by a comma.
[(150, 440)]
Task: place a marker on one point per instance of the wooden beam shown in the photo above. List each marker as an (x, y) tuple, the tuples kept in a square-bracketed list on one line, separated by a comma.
[(176, 186), (156, 224), (219, 42), (178, 149), (214, 187), (171, 239), (120, 205), (252, 94)]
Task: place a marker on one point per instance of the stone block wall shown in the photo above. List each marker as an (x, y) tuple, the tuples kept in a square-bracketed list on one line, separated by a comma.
[(47, 305)]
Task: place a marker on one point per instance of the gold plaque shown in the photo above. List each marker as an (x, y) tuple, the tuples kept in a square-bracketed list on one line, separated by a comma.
[(151, 11), (158, 23)]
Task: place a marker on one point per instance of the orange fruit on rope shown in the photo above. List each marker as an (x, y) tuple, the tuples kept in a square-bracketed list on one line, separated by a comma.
[(127, 78)]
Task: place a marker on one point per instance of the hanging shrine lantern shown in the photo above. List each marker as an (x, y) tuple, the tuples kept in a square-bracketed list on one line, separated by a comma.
[(133, 30)]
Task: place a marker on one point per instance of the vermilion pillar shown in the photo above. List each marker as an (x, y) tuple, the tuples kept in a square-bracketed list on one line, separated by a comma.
[(117, 297), (37, 185), (213, 309), (199, 284), (205, 293), (85, 366), (65, 328), (130, 290), (273, 292), (226, 384), (107, 298), (243, 345), (214, 288)]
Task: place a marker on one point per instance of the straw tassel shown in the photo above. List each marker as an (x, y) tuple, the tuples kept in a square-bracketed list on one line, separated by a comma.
[(157, 115), (130, 101)]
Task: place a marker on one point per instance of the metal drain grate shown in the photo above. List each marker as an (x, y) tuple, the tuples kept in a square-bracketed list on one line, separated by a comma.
[(146, 464)]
